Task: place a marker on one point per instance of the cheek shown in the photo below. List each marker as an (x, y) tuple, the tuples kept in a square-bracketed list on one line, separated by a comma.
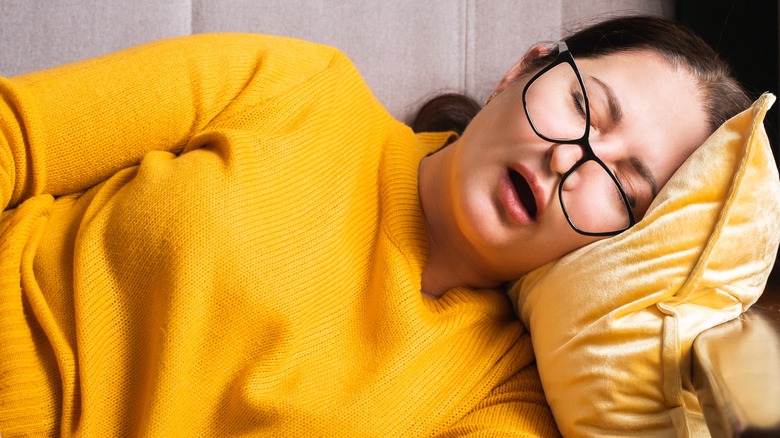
[(502, 120)]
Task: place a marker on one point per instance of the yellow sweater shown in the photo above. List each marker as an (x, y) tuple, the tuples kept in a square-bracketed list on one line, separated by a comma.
[(220, 235)]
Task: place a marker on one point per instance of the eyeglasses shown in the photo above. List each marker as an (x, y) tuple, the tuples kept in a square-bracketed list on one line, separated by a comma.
[(556, 105)]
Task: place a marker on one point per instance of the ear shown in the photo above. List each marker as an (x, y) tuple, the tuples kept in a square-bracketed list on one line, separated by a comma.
[(520, 68)]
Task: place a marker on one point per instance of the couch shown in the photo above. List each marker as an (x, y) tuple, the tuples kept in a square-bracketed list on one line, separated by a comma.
[(408, 51)]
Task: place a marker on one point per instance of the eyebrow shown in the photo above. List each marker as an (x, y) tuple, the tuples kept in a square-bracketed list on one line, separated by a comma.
[(615, 111), (641, 168)]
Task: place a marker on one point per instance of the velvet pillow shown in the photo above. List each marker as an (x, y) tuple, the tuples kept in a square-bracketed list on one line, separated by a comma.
[(613, 323)]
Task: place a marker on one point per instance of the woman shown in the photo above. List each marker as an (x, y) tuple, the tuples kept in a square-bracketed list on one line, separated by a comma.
[(645, 117), (227, 234)]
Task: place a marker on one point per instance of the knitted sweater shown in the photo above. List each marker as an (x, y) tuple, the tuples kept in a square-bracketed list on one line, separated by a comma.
[(221, 235)]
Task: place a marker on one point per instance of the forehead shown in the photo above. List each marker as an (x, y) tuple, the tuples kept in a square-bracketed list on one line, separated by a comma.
[(663, 116)]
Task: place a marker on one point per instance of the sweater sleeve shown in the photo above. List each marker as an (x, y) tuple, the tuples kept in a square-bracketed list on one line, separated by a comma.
[(516, 408), (66, 129)]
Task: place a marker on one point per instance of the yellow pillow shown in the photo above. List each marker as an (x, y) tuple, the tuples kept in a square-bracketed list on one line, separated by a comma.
[(612, 323)]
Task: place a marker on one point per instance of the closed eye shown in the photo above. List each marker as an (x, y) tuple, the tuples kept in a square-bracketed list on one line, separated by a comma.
[(628, 190), (578, 100), (638, 183)]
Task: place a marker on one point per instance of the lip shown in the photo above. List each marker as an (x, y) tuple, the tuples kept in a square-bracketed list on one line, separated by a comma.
[(514, 206)]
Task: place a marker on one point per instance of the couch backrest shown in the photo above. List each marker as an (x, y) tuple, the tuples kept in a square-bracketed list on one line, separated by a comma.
[(407, 50)]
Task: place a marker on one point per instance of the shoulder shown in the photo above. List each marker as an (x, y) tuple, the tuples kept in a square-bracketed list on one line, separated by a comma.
[(305, 55)]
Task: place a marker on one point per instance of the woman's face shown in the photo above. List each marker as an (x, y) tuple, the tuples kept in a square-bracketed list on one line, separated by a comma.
[(646, 119)]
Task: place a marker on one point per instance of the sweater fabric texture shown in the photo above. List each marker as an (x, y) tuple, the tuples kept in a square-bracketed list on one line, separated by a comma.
[(221, 235)]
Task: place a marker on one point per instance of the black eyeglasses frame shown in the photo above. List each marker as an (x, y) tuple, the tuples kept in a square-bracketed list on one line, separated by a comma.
[(565, 56)]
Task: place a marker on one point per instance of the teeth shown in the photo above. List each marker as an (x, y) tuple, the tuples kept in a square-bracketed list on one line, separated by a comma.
[(524, 192)]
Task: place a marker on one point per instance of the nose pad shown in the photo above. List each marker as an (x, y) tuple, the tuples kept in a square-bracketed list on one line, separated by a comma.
[(564, 156)]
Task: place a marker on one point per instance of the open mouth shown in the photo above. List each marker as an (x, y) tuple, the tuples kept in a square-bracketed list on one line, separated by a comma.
[(524, 192)]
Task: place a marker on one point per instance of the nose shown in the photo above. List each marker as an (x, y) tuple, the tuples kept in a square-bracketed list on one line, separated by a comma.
[(564, 156)]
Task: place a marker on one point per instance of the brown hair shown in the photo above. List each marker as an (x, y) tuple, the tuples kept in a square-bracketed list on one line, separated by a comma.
[(722, 95), (446, 112)]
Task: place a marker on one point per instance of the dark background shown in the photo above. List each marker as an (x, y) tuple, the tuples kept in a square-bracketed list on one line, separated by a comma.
[(745, 33)]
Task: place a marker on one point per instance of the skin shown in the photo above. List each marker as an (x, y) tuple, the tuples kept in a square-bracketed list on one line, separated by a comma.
[(480, 237)]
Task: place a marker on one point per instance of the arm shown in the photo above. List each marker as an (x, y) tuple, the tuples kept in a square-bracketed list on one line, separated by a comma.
[(66, 129)]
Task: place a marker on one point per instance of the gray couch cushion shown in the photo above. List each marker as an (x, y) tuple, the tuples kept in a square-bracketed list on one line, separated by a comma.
[(43, 33), (407, 50)]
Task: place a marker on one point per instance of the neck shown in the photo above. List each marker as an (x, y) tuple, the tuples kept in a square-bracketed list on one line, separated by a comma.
[(448, 265)]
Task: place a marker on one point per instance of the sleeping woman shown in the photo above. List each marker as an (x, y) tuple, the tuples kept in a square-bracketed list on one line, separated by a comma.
[(228, 235)]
